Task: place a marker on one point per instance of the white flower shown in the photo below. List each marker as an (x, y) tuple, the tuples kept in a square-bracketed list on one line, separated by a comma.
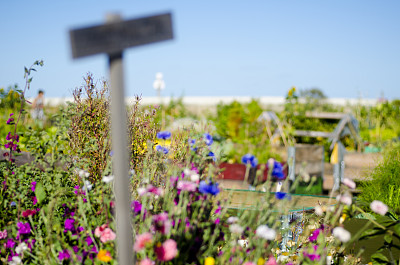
[(345, 198), (87, 185), (232, 219), (265, 232), (108, 179), (141, 191), (243, 243), (341, 234), (15, 261), (236, 229), (349, 183), (195, 177), (379, 207), (319, 210), (21, 248)]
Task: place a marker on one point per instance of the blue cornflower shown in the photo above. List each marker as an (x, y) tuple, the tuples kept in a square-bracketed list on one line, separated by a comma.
[(208, 188), (163, 149), (13, 204), (212, 155), (249, 158), (280, 195), (192, 143), (208, 139), (277, 171), (163, 135)]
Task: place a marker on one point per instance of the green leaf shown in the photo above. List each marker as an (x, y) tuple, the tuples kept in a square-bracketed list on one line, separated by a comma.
[(379, 258), (40, 192), (388, 238)]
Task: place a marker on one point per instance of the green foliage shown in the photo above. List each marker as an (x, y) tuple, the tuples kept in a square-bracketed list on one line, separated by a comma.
[(383, 182), (10, 98)]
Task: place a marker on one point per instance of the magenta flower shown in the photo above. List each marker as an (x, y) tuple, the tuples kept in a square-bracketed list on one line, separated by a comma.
[(33, 186), (69, 224), (312, 257), (161, 223), (136, 206), (23, 228), (315, 235), (34, 200), (64, 254), (10, 243)]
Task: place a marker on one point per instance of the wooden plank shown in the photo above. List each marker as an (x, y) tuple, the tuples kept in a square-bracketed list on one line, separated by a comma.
[(312, 133), (325, 115), (114, 37)]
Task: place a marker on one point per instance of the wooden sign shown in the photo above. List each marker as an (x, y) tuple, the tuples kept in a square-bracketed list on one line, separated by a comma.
[(114, 37)]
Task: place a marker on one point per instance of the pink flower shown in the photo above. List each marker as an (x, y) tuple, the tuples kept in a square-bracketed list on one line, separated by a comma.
[(186, 185), (379, 207), (249, 263), (161, 223), (141, 241), (349, 183), (3, 234), (345, 198), (99, 230), (167, 251), (107, 235), (271, 261), (146, 261)]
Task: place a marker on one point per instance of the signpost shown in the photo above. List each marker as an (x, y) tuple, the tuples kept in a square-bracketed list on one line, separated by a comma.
[(112, 38)]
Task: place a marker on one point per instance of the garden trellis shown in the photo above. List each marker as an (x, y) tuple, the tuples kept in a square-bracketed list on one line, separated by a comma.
[(112, 38)]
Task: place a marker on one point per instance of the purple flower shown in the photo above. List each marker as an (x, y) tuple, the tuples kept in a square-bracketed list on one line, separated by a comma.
[(136, 206), (33, 186), (163, 135), (162, 149), (89, 240), (8, 137), (312, 257), (208, 188), (69, 224), (76, 249), (64, 254), (249, 159), (208, 139), (10, 243), (24, 228), (34, 200), (10, 120), (162, 223), (315, 234)]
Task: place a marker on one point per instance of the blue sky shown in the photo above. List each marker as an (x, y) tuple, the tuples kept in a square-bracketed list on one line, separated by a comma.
[(240, 48)]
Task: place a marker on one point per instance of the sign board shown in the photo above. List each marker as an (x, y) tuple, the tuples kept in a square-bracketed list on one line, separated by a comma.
[(114, 37)]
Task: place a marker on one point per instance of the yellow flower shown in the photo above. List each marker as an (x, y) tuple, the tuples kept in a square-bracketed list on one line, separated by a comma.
[(104, 255), (209, 261), (260, 261)]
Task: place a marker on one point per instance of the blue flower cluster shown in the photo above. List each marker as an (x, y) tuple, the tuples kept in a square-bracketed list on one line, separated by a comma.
[(162, 149), (250, 159), (208, 139), (164, 135), (209, 188), (277, 171)]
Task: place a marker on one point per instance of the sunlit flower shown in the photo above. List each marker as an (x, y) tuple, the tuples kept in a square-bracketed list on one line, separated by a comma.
[(314, 236), (265, 232), (341, 234), (236, 229), (319, 210), (277, 169), (24, 228), (260, 261), (15, 261), (379, 207), (209, 261), (349, 183), (142, 241), (271, 261), (249, 263), (167, 251), (104, 255)]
